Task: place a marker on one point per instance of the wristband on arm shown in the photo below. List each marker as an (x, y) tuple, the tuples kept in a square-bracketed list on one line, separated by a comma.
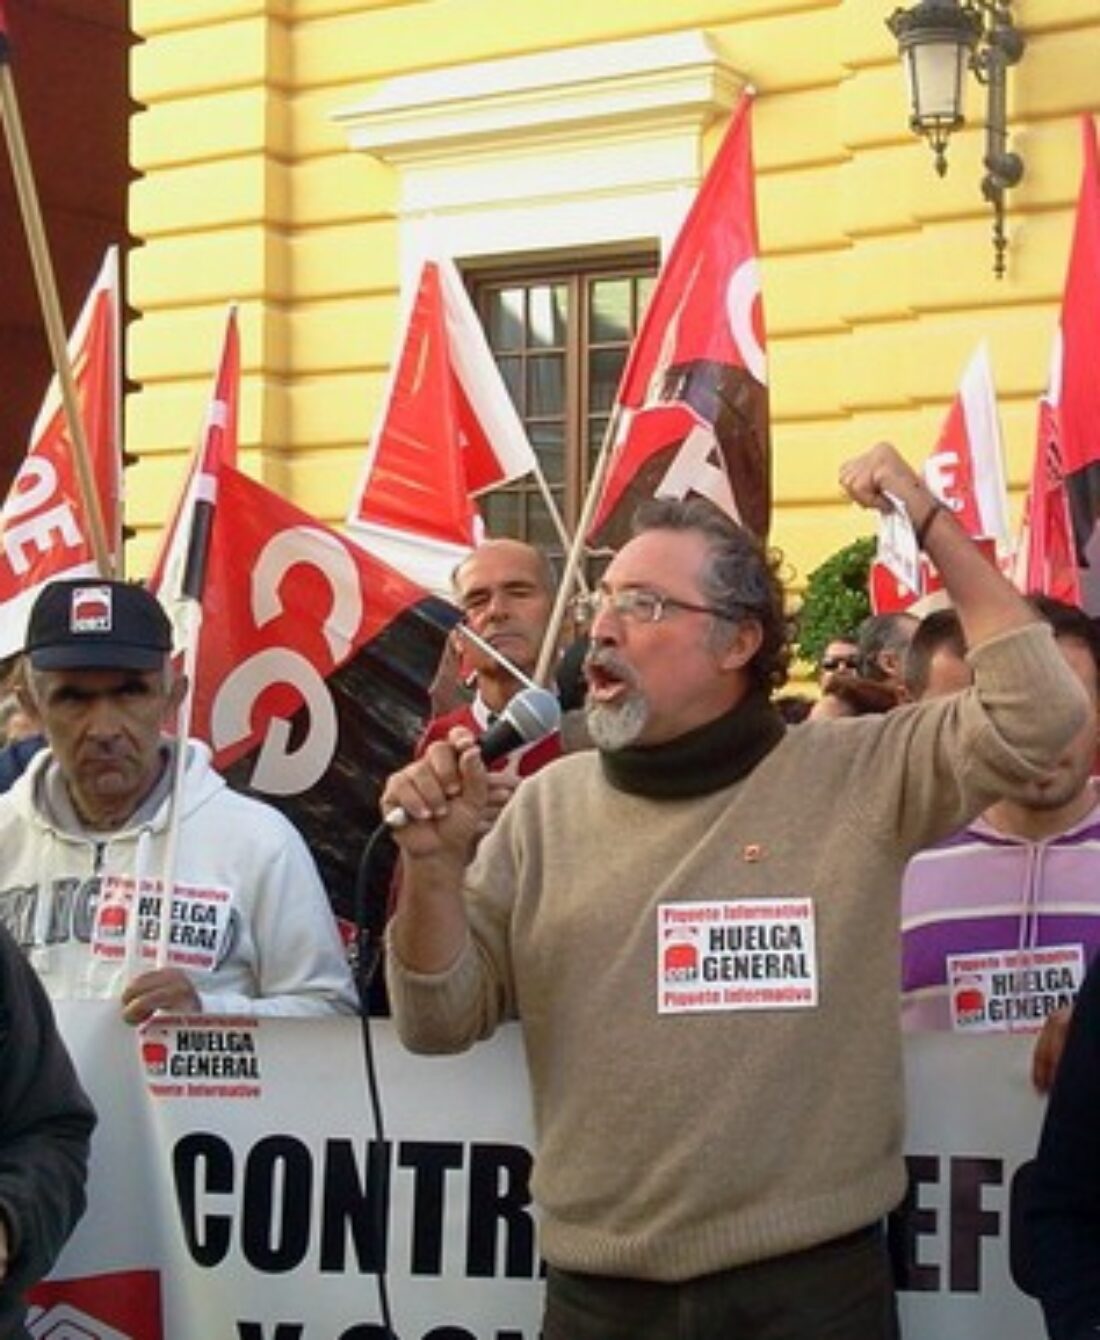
[(925, 526)]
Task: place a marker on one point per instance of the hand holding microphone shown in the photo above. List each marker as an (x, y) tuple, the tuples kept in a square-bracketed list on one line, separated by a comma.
[(531, 715)]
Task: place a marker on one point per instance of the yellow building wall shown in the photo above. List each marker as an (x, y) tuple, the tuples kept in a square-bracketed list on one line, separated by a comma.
[(878, 276)]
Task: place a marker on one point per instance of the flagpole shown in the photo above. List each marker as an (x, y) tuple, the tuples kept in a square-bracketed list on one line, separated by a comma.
[(115, 538), (576, 552), (556, 519), (190, 618), (187, 621), (51, 307), (221, 419)]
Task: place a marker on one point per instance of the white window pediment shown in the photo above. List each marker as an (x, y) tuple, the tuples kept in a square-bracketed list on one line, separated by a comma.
[(571, 148)]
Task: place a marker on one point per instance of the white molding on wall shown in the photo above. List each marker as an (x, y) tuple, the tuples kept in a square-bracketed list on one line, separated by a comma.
[(573, 148)]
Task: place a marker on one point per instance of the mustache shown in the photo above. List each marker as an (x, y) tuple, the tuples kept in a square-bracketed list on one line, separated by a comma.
[(607, 660)]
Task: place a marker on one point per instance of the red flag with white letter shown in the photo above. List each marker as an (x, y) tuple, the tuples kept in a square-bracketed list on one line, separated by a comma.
[(448, 430), (44, 533), (313, 673), (692, 404), (966, 468), (966, 472), (310, 678)]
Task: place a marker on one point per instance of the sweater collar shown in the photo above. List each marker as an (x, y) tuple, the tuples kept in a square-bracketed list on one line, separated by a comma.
[(703, 760)]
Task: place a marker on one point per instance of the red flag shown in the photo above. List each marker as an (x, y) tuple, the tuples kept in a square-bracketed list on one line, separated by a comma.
[(1063, 501), (447, 431), (179, 569), (889, 594), (1045, 557), (966, 468), (1075, 386), (310, 678), (494, 442), (314, 668), (44, 529), (700, 349), (966, 472)]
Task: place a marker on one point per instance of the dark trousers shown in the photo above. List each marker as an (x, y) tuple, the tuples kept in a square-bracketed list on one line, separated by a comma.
[(840, 1290)]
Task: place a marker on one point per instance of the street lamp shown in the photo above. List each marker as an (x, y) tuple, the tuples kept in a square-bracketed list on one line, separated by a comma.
[(938, 41)]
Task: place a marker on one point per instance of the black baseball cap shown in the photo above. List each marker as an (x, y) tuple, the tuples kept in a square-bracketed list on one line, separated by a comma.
[(90, 623)]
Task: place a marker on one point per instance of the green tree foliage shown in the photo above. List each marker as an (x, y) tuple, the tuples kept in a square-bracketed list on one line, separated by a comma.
[(836, 600)]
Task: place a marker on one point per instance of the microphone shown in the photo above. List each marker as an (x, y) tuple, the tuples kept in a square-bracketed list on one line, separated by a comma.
[(531, 715)]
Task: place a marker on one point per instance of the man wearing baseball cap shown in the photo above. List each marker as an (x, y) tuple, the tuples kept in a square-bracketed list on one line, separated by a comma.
[(84, 837)]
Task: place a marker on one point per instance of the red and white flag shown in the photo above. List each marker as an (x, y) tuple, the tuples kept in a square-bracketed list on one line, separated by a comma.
[(966, 468), (44, 529), (178, 571), (495, 446), (1046, 560), (448, 431), (314, 668), (966, 472), (692, 405), (1059, 550), (309, 660)]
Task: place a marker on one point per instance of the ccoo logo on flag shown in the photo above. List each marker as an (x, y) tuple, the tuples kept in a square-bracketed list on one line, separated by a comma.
[(120, 1305)]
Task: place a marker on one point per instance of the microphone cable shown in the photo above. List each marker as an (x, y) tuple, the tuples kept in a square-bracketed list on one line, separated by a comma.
[(369, 941), (533, 714)]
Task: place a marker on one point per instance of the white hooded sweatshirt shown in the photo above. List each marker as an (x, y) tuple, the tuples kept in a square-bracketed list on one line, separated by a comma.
[(250, 922)]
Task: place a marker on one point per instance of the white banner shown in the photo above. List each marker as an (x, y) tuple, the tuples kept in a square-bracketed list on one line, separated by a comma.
[(973, 1123), (239, 1190)]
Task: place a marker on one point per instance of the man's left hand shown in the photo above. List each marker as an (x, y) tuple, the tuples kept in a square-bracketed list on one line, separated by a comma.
[(1049, 1046), (169, 990)]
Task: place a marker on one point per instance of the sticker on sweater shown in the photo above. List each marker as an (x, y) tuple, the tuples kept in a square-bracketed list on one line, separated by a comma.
[(1012, 990), (196, 934), (751, 954)]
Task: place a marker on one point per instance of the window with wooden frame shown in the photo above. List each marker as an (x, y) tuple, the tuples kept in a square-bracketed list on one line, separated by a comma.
[(560, 335)]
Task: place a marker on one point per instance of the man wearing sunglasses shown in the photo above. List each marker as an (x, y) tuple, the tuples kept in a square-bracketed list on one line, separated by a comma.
[(696, 924), (841, 654)]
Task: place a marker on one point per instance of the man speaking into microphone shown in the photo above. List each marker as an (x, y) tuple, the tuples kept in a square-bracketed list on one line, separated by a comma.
[(696, 924)]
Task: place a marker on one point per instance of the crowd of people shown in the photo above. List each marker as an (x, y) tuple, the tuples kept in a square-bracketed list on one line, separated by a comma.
[(605, 901)]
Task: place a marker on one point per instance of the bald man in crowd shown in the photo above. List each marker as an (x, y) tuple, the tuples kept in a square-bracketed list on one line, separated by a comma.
[(505, 589)]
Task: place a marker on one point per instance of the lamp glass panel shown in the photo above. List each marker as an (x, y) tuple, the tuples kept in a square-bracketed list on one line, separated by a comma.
[(936, 74)]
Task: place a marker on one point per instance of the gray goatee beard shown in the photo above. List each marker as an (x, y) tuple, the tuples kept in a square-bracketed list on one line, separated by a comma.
[(612, 728)]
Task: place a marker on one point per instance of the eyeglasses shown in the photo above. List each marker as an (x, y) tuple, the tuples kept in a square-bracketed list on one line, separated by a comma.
[(840, 663), (637, 605)]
